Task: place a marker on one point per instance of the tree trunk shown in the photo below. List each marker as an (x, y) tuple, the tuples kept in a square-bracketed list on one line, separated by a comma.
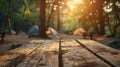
[(116, 10), (22, 19), (95, 24), (49, 17), (8, 16), (42, 23), (102, 24), (110, 28), (58, 13), (101, 18)]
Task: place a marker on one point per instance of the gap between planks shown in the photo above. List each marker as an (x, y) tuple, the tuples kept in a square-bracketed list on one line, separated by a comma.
[(108, 55)]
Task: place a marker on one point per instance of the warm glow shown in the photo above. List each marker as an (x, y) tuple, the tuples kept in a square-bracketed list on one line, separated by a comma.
[(27, 12), (78, 1), (47, 32), (72, 3), (72, 7), (108, 8)]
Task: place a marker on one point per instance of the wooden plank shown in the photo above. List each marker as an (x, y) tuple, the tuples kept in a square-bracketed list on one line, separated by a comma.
[(36, 58), (107, 54), (30, 46), (77, 56), (11, 61), (50, 55), (45, 56), (33, 58), (30, 61), (5, 58), (27, 48), (49, 60), (10, 58)]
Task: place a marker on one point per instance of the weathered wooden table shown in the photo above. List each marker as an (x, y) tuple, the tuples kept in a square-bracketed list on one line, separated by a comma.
[(72, 53)]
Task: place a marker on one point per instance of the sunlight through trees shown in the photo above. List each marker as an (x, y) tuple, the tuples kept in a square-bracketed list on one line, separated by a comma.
[(63, 15)]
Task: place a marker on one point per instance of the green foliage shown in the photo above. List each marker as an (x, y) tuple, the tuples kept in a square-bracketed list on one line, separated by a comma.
[(114, 46), (3, 13), (107, 31), (118, 30), (91, 30), (18, 17), (24, 15)]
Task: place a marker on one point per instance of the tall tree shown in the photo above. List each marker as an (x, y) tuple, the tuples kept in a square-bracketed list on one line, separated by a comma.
[(22, 18), (95, 7), (9, 15), (112, 15), (42, 23), (116, 9), (51, 13), (101, 17)]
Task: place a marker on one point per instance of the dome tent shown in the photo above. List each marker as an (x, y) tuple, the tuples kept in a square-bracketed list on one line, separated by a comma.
[(79, 31), (33, 30), (51, 31)]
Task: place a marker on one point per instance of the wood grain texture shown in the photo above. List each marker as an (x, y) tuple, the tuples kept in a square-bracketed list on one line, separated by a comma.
[(107, 54), (78, 56)]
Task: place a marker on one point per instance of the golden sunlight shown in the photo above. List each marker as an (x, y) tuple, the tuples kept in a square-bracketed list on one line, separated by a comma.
[(78, 1), (71, 7), (72, 3)]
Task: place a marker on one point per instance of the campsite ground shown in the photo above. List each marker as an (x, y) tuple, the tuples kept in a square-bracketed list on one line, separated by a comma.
[(12, 39)]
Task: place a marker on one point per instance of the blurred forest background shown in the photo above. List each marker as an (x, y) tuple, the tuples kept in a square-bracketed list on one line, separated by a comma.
[(99, 16), (18, 15)]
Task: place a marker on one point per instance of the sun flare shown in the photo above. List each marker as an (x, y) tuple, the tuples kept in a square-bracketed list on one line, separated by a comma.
[(73, 3)]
